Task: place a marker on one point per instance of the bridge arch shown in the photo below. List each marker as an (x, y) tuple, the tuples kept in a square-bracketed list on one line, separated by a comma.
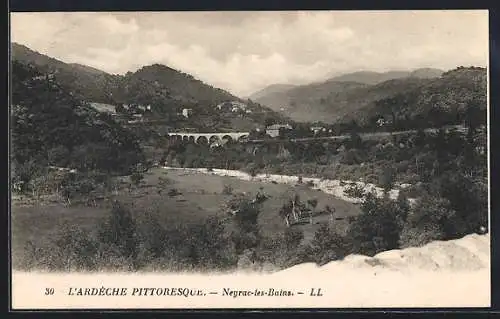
[(185, 138), (243, 138), (214, 139), (191, 139), (202, 140), (227, 139)]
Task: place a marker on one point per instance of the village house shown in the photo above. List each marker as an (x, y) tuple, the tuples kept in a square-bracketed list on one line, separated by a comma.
[(276, 129), (187, 112), (317, 129), (232, 106)]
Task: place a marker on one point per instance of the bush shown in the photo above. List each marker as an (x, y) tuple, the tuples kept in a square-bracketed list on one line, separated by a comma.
[(378, 227), (292, 238), (78, 248), (431, 219), (387, 178), (173, 192), (120, 230), (227, 189), (136, 178), (354, 191), (351, 157), (126, 243), (326, 246)]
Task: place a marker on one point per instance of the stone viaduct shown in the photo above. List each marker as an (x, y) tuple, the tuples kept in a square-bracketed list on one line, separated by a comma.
[(209, 138)]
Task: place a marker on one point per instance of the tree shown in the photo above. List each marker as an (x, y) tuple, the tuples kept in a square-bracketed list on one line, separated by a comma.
[(428, 221), (120, 109), (24, 173), (120, 230), (355, 141), (136, 178), (326, 246), (58, 156), (312, 203), (245, 214), (269, 121), (378, 227), (292, 238), (387, 178)]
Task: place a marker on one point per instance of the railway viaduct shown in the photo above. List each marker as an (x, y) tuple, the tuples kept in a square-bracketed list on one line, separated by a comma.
[(209, 138)]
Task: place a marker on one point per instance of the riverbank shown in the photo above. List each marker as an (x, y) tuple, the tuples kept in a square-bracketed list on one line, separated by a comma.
[(332, 187)]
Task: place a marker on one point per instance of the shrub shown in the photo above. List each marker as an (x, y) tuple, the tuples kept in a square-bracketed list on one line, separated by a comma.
[(78, 248), (136, 178), (354, 191), (120, 230), (432, 218), (387, 178), (173, 192), (378, 227), (326, 246), (227, 189), (292, 238)]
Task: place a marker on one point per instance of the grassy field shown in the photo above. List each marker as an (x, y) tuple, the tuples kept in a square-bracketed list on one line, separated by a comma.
[(201, 196)]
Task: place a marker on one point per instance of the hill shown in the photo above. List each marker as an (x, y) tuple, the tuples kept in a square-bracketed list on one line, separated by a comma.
[(330, 101), (85, 82), (50, 126), (167, 90), (413, 96), (458, 95), (372, 78), (271, 89)]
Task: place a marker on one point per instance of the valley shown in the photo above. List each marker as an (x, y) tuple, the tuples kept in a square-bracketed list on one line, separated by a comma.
[(159, 170)]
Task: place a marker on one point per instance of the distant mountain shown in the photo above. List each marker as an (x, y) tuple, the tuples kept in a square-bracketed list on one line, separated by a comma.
[(330, 101), (458, 95), (426, 73), (334, 99), (166, 89), (271, 89), (372, 78)]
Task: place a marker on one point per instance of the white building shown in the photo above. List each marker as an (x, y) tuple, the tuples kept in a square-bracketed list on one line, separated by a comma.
[(275, 130), (187, 112)]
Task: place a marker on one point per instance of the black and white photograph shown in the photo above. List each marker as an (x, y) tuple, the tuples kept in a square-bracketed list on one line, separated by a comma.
[(249, 159)]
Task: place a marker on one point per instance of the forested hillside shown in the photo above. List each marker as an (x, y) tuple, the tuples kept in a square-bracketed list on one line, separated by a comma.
[(418, 97), (458, 95), (166, 90), (85, 82), (51, 127), (330, 101)]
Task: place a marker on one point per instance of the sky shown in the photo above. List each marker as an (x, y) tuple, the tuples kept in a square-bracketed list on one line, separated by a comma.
[(243, 52)]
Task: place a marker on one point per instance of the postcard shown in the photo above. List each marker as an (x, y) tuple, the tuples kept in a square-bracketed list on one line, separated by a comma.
[(249, 159)]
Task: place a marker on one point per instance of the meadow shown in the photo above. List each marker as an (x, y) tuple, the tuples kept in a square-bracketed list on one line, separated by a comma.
[(172, 196)]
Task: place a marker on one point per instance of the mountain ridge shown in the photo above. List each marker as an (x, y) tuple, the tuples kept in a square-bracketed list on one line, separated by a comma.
[(335, 101), (373, 78), (161, 86)]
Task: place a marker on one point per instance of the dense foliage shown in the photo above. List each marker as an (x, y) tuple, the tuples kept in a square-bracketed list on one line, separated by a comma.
[(50, 127), (411, 100), (165, 90)]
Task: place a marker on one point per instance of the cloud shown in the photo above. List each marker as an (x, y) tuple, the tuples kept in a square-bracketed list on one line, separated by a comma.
[(245, 51)]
